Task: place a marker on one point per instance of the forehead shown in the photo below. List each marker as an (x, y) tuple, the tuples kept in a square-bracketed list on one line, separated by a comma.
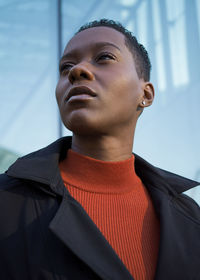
[(91, 36)]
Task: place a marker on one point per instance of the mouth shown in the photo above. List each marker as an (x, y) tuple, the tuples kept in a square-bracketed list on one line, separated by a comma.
[(80, 91)]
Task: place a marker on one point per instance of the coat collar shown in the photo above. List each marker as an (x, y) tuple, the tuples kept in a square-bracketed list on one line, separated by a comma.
[(77, 231), (42, 166)]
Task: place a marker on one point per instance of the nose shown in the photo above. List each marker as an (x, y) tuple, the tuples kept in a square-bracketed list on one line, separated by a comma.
[(80, 72)]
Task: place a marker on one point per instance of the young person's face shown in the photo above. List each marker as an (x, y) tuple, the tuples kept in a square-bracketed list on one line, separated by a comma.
[(108, 91)]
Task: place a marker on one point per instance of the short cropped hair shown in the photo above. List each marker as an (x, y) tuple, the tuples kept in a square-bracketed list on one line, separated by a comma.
[(140, 55)]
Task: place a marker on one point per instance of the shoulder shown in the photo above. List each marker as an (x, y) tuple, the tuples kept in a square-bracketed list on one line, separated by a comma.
[(7, 182), (194, 194), (11, 192), (163, 179)]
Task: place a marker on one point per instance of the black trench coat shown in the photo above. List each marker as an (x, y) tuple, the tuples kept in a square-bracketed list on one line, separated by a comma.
[(46, 234)]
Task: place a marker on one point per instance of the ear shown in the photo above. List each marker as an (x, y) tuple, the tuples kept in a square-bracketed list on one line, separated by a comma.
[(148, 95)]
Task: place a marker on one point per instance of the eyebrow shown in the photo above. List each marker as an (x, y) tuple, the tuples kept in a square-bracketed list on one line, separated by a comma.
[(95, 45), (103, 44)]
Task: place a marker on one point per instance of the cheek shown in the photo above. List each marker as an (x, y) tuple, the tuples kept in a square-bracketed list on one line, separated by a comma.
[(124, 96), (126, 90), (59, 92), (133, 85), (57, 99)]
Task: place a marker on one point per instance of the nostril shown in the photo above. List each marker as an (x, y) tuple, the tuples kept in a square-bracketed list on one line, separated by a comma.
[(84, 75)]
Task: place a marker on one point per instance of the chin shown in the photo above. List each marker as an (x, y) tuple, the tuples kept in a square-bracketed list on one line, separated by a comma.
[(82, 126)]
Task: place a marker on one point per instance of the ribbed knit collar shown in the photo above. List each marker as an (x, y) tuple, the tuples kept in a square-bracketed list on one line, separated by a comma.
[(94, 175)]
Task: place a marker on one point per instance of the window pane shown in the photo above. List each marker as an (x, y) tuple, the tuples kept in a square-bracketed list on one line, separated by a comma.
[(27, 76)]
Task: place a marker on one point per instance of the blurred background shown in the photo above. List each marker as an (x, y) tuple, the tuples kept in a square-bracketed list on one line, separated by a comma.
[(33, 34)]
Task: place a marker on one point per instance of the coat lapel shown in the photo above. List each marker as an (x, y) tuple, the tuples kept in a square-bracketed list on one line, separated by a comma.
[(77, 231), (179, 249)]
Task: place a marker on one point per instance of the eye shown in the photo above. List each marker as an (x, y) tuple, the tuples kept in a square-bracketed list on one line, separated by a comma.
[(105, 56), (65, 68)]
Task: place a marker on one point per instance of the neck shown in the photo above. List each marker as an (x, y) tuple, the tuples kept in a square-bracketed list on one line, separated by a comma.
[(106, 147)]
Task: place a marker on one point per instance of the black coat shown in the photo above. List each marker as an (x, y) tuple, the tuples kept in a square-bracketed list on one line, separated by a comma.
[(46, 234)]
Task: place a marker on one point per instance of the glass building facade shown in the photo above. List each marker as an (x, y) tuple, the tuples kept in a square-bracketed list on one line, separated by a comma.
[(33, 34)]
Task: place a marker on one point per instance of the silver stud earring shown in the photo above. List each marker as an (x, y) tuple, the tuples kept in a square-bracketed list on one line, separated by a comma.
[(143, 102)]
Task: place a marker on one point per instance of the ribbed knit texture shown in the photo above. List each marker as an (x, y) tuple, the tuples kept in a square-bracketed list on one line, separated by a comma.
[(118, 203)]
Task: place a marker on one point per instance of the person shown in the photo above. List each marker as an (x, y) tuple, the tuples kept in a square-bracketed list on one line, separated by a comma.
[(86, 207)]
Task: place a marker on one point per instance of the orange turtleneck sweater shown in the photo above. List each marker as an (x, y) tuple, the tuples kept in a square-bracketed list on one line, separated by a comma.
[(120, 206)]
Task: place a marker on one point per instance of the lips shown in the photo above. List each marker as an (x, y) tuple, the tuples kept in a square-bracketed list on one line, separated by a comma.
[(80, 90)]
